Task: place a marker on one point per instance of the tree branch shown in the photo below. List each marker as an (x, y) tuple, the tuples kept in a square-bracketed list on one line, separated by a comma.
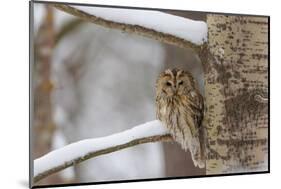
[(146, 133), (158, 138), (129, 28)]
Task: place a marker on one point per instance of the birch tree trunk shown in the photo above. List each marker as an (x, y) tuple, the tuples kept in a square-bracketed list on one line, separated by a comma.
[(236, 87), (44, 127)]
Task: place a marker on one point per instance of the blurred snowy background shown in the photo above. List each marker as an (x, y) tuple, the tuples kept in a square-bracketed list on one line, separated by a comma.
[(89, 81)]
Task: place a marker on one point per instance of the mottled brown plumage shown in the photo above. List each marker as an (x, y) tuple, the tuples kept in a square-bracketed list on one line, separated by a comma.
[(180, 107)]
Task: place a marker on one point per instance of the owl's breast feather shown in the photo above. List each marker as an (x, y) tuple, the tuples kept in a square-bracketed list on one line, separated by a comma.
[(163, 110)]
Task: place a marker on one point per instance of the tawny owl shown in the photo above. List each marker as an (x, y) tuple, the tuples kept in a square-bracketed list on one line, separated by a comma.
[(180, 107)]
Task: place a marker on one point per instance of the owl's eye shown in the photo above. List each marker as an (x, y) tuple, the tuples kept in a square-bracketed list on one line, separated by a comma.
[(181, 82), (168, 83)]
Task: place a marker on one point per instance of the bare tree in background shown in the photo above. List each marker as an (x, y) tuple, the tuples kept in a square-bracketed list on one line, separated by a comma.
[(43, 124)]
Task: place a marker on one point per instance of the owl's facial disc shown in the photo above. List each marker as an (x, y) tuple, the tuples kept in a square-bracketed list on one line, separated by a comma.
[(171, 87), (174, 82)]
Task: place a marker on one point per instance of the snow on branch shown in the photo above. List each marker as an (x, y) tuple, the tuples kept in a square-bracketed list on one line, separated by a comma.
[(167, 28), (80, 151)]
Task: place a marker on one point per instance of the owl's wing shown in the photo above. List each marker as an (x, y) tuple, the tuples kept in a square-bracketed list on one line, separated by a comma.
[(202, 131), (198, 109), (158, 107), (197, 106)]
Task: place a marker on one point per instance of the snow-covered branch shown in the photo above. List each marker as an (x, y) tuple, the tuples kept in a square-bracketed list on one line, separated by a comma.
[(167, 28), (80, 151)]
